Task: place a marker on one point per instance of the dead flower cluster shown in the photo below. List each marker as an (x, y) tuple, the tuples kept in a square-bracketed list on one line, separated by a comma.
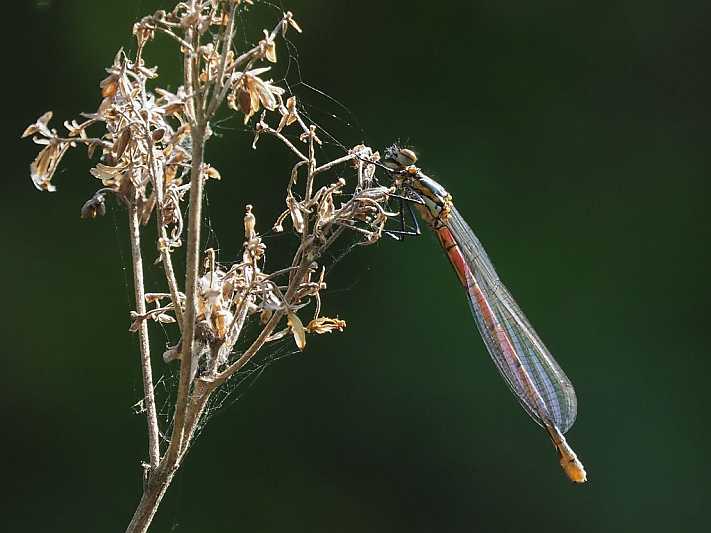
[(148, 147)]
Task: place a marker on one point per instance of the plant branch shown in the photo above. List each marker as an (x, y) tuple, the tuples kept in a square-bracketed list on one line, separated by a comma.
[(268, 328), (264, 128), (152, 138), (153, 493), (201, 395), (220, 84), (331, 164), (252, 350), (192, 260), (163, 248), (143, 341), (248, 56)]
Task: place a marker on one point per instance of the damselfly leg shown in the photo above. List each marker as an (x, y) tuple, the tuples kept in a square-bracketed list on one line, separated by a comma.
[(414, 227)]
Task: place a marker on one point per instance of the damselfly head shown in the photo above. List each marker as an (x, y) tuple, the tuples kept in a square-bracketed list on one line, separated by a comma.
[(398, 158)]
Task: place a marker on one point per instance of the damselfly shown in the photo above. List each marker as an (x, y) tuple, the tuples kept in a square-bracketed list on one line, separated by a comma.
[(528, 368)]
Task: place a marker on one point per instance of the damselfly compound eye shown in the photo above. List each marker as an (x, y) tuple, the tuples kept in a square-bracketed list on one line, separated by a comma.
[(407, 157), (397, 158)]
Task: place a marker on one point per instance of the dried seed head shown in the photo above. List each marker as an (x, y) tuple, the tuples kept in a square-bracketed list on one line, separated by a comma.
[(297, 218), (323, 325), (265, 315), (40, 126), (288, 113), (153, 297), (249, 84), (311, 134), (268, 48), (211, 172), (143, 32), (45, 164), (221, 319), (244, 98), (249, 224), (289, 17), (109, 85), (121, 143)]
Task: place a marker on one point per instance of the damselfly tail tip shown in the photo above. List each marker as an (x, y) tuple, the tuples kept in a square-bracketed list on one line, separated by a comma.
[(574, 469), (569, 461)]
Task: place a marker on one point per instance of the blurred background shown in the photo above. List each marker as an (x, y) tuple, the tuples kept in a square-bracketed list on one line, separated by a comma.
[(574, 139)]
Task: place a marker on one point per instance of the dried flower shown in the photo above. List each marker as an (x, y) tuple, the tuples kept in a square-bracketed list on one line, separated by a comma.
[(323, 325), (288, 113), (221, 318), (289, 17), (39, 126), (172, 103), (297, 329), (249, 91), (45, 164), (211, 172), (111, 176), (297, 218), (249, 223), (310, 134), (109, 85), (268, 47)]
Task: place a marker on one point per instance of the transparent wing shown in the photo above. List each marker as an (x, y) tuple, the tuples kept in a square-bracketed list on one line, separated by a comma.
[(543, 389)]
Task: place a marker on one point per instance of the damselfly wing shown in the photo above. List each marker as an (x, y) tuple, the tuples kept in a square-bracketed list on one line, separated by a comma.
[(528, 368)]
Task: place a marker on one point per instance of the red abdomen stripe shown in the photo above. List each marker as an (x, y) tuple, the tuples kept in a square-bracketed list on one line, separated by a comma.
[(495, 329)]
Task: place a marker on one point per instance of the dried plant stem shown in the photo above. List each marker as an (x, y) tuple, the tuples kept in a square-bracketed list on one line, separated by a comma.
[(163, 247), (187, 412), (192, 255), (287, 142), (167, 261), (218, 96), (192, 262), (143, 341), (201, 394), (160, 479), (145, 153), (153, 493), (334, 163)]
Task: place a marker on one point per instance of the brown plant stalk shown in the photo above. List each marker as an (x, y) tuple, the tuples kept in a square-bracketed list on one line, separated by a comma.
[(152, 159)]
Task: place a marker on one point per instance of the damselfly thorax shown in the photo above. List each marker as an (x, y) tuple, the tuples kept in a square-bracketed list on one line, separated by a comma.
[(436, 204)]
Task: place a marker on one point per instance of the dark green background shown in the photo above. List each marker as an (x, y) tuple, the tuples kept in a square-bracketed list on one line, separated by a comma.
[(573, 136)]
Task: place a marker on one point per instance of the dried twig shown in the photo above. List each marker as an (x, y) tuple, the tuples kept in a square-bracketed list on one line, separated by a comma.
[(147, 372)]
